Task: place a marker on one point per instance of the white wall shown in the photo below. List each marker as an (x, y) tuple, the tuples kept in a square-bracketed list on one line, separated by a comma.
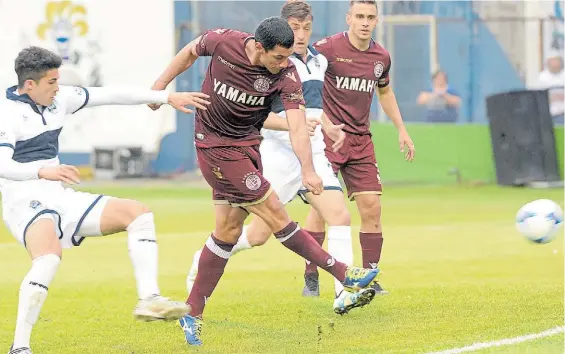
[(129, 42), (538, 38)]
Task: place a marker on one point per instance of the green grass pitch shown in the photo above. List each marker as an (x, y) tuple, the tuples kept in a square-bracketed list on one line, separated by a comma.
[(457, 271)]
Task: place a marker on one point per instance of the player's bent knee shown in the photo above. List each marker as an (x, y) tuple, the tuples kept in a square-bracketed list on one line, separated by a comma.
[(371, 214), (272, 212), (228, 233), (339, 217), (128, 211)]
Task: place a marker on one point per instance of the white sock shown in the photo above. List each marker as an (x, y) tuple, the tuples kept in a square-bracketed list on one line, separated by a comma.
[(33, 292), (143, 252), (242, 242), (340, 247)]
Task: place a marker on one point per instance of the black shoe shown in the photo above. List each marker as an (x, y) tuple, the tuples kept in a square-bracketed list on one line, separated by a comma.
[(378, 289), (311, 285)]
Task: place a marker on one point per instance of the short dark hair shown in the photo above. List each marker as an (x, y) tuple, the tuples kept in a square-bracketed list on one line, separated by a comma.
[(297, 9), (370, 2), (274, 31), (32, 63)]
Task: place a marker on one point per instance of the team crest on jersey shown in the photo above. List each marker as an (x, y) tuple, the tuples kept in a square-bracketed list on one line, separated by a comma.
[(252, 181), (78, 90), (317, 62), (34, 204), (262, 84), (379, 69), (53, 108)]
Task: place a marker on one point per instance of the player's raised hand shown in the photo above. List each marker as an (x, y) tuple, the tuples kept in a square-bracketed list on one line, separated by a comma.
[(406, 142), (312, 125), (336, 133), (312, 181), (63, 173), (179, 100)]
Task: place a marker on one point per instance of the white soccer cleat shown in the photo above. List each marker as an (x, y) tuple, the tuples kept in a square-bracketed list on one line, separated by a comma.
[(157, 307), (191, 277)]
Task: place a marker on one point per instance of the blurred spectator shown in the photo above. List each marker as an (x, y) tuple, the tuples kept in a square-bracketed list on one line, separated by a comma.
[(553, 80), (441, 101)]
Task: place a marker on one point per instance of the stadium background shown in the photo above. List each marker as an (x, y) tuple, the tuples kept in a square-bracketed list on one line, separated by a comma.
[(484, 47)]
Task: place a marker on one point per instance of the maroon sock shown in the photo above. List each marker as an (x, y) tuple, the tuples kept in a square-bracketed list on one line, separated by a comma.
[(213, 260), (301, 243), (371, 246), (319, 237)]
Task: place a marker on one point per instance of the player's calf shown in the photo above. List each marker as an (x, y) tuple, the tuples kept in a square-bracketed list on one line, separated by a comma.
[(135, 218), (44, 247), (370, 235)]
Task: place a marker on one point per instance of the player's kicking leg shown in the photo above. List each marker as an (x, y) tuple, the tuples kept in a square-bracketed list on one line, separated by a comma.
[(117, 215), (217, 250)]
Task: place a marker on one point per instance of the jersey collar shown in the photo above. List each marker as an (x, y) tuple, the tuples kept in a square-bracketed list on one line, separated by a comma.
[(12, 95)]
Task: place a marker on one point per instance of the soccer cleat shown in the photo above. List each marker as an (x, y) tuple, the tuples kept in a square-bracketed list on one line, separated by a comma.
[(192, 328), (347, 301), (378, 289), (19, 351), (191, 277), (157, 307), (311, 285), (359, 278)]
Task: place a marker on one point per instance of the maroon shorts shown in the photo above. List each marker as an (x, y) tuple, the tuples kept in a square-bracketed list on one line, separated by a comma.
[(235, 174), (357, 163)]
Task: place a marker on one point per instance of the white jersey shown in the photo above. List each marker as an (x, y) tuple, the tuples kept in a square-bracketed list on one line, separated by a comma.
[(311, 74), (29, 140), (33, 134), (555, 83)]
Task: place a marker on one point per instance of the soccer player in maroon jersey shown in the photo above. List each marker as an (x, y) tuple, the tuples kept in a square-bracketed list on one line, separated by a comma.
[(245, 75), (357, 67)]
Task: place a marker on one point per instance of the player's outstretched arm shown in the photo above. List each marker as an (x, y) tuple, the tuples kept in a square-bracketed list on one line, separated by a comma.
[(278, 123), (388, 102), (300, 141), (102, 96), (180, 63)]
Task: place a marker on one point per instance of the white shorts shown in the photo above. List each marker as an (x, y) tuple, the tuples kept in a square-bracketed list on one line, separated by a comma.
[(282, 169), (76, 214)]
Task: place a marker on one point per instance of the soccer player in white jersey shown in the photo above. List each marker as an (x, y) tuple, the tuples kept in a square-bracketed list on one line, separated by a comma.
[(282, 168), (43, 215)]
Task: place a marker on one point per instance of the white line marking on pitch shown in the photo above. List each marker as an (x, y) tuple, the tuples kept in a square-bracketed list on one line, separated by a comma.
[(502, 342)]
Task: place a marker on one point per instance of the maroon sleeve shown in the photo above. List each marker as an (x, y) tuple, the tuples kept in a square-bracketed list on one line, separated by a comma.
[(209, 40), (291, 91), (324, 46), (384, 80)]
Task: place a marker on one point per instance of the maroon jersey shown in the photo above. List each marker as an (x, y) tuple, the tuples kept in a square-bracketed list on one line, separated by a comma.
[(350, 80), (240, 93)]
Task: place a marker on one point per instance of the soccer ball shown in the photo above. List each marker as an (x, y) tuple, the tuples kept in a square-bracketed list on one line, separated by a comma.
[(539, 220)]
